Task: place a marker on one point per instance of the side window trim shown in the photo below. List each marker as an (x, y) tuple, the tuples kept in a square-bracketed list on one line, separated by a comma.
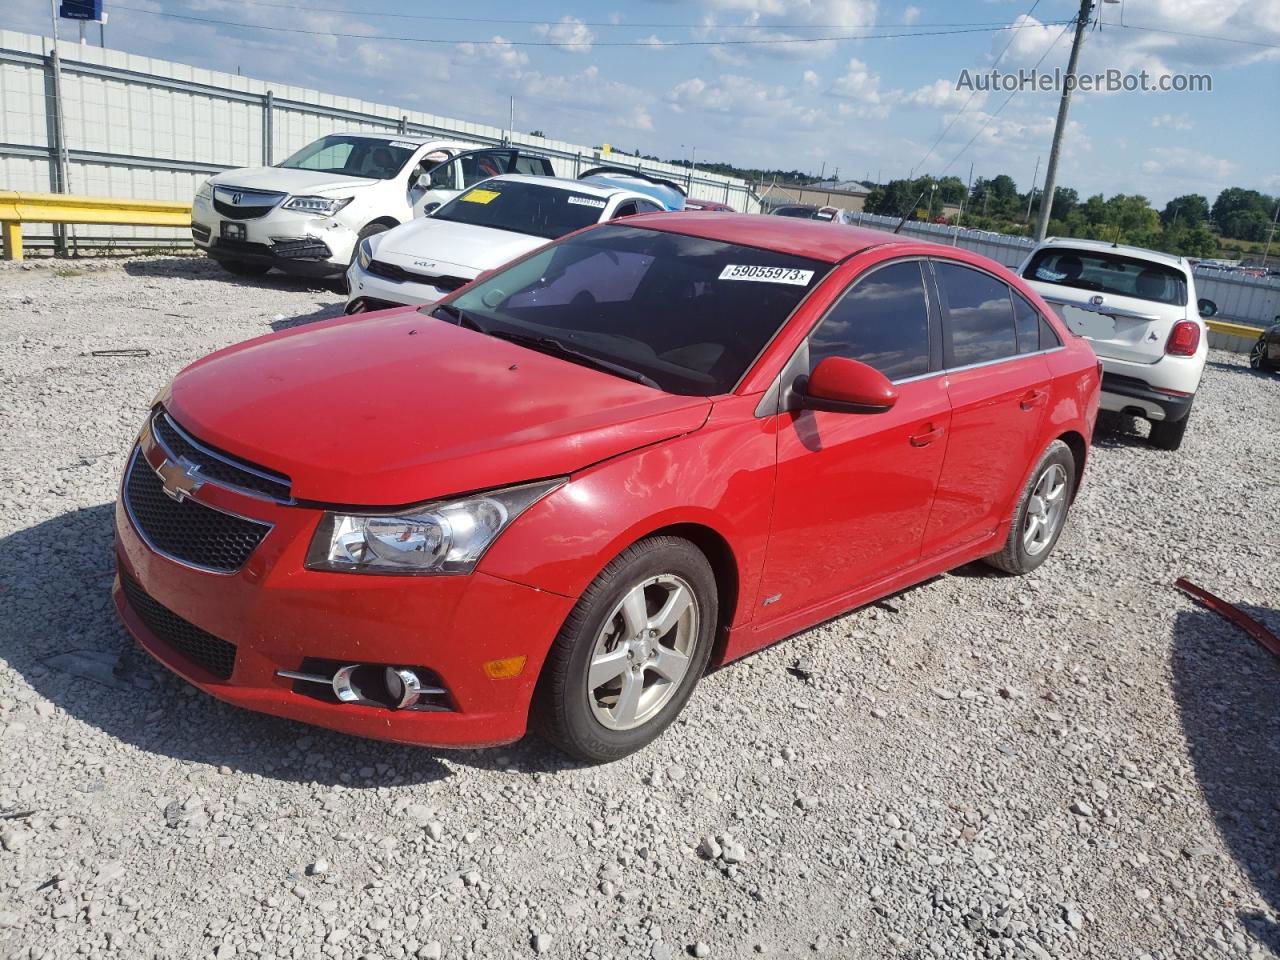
[(930, 302)]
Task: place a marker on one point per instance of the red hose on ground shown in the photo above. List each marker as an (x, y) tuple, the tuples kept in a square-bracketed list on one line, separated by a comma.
[(1232, 613)]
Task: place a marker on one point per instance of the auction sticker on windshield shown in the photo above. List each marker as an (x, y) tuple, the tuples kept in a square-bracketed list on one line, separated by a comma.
[(739, 271), (480, 196), (587, 202)]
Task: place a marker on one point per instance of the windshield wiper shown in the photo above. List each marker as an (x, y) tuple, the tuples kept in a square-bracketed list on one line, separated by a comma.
[(461, 318), (554, 347)]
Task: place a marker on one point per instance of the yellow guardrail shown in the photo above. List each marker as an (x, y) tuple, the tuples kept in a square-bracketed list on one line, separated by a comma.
[(1233, 329), (18, 208)]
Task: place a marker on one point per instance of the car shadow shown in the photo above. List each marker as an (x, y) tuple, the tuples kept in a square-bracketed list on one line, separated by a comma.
[(315, 316), (1227, 689), (205, 269), (1243, 368), (62, 635), (1117, 431)]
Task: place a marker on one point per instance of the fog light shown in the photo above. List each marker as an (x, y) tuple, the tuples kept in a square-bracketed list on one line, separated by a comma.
[(505, 669)]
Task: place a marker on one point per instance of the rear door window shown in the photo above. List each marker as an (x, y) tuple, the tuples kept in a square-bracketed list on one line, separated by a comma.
[(533, 166), (882, 320), (1033, 331), (980, 313)]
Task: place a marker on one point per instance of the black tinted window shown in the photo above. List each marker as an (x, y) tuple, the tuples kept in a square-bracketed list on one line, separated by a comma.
[(1034, 332), (523, 207), (687, 313), (883, 320), (981, 315)]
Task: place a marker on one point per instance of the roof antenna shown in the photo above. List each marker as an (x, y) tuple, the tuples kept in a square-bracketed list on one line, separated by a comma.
[(1116, 242), (910, 210)]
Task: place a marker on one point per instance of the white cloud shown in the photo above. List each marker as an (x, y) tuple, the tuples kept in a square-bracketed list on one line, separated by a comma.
[(943, 95), (654, 42), (1185, 163), (571, 33), (622, 104), (812, 80), (857, 83), (1178, 121), (500, 51), (911, 14)]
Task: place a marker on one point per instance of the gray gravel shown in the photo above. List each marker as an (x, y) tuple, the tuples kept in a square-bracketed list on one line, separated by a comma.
[(1081, 763)]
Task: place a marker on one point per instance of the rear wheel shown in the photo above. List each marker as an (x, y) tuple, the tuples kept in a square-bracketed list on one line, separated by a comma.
[(1258, 355), (630, 653), (1041, 512), (1168, 434), (244, 268)]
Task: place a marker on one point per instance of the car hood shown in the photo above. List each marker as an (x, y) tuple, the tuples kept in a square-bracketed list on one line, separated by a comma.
[(397, 407), (290, 181), (444, 243)]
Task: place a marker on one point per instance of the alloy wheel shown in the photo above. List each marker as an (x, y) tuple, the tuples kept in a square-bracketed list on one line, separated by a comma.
[(643, 652), (1046, 509)]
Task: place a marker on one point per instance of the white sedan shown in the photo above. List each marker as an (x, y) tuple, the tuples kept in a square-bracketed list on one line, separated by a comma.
[(489, 225)]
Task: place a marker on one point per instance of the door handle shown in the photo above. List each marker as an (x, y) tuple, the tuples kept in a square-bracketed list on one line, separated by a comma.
[(930, 434), (1032, 399)]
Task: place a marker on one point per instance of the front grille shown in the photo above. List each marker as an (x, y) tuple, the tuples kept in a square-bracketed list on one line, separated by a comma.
[(200, 647), (308, 248), (200, 232), (216, 466), (236, 203), (187, 531), (399, 274)]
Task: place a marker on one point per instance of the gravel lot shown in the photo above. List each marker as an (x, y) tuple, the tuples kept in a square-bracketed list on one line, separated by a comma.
[(1077, 764)]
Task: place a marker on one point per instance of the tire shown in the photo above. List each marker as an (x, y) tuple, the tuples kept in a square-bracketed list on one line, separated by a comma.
[(600, 725), (243, 268), (367, 231), (1167, 435), (1258, 356), (1024, 551)]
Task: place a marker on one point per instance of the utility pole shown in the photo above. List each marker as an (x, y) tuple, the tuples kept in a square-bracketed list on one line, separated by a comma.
[(1031, 194), (1064, 106), (967, 187), (1270, 236)]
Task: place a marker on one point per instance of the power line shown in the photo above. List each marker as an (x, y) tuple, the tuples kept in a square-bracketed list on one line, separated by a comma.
[(998, 109), (1201, 36), (556, 43), (972, 93), (508, 21)]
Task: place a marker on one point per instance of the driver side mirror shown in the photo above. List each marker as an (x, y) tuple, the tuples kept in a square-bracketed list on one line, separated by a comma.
[(841, 385), (430, 208), (424, 181), (1207, 307)]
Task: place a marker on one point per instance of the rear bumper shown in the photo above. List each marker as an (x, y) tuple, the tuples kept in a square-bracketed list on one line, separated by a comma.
[(1126, 394)]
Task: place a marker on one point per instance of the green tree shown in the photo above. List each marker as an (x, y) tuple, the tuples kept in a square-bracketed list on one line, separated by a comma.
[(1188, 208)]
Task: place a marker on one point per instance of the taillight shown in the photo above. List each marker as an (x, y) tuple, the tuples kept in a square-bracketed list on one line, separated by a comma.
[(1184, 339)]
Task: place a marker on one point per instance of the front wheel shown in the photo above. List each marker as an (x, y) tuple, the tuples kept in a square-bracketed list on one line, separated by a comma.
[(630, 653), (1041, 512), (1258, 355)]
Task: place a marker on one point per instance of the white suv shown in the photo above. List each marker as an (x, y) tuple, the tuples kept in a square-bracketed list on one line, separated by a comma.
[(1138, 309), (308, 214)]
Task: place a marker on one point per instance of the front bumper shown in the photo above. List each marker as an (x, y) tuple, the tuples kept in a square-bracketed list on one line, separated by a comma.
[(368, 291), (281, 616), (293, 242)]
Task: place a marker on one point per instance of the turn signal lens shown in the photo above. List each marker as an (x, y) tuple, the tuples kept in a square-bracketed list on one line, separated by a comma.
[(506, 669), (1184, 339)]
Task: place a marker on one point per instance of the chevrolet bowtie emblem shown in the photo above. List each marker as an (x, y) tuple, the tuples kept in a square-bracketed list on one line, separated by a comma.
[(179, 479)]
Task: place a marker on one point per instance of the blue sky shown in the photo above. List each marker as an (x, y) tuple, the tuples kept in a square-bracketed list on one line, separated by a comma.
[(864, 106)]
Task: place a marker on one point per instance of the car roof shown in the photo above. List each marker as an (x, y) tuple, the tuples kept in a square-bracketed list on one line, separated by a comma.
[(1103, 246), (567, 184), (417, 138), (813, 239)]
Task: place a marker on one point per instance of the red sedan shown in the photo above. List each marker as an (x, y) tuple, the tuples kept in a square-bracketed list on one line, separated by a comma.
[(561, 493)]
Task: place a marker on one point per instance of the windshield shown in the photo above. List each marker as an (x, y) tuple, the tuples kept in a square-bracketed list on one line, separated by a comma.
[(807, 213), (1108, 273), (686, 313), (372, 157), (531, 208)]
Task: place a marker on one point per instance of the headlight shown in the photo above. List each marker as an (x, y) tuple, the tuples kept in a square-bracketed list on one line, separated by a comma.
[(439, 538), (365, 256), (325, 206), (206, 191)]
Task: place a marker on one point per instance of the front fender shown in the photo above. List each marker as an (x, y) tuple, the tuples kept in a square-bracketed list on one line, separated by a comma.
[(720, 477)]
